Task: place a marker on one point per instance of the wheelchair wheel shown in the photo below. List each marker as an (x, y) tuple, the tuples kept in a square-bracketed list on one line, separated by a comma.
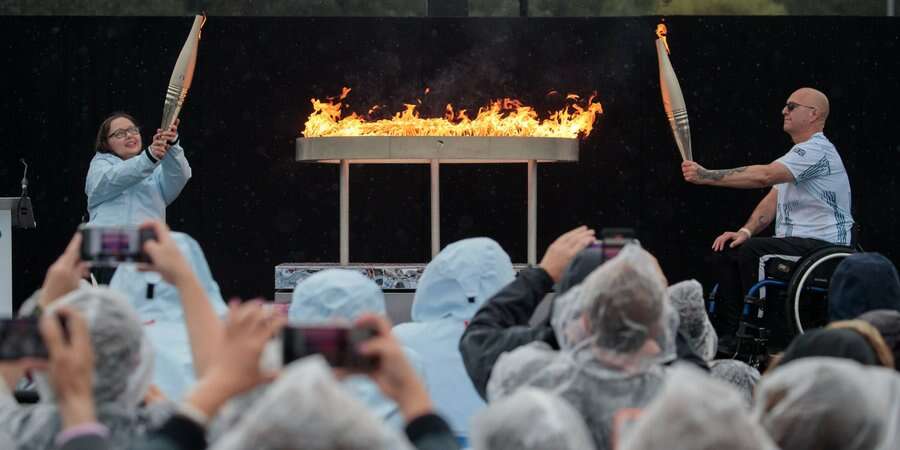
[(807, 294)]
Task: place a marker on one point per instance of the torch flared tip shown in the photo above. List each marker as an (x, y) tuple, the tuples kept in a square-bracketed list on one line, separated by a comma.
[(661, 31)]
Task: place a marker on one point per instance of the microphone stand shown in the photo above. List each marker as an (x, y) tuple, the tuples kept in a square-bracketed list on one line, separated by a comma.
[(24, 216)]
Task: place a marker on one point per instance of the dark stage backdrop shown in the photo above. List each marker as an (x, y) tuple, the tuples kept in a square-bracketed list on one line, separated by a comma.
[(251, 206)]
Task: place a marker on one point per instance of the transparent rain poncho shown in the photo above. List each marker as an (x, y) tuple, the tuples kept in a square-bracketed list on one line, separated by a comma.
[(123, 367), (308, 409), (566, 319), (612, 368), (506, 376), (687, 298), (737, 373), (339, 296), (7, 442), (530, 419), (234, 410), (667, 339), (569, 325), (158, 304), (830, 403), (695, 412), (624, 302), (453, 286)]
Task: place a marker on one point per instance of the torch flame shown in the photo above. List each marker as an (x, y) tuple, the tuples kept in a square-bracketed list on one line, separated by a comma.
[(503, 117), (661, 32)]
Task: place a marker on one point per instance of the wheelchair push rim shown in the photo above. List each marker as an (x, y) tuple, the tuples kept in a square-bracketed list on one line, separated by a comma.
[(800, 279)]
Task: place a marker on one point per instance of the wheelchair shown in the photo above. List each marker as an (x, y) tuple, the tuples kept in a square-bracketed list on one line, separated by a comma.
[(791, 299)]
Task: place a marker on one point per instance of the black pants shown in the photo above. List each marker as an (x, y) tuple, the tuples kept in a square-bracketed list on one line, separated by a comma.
[(739, 271)]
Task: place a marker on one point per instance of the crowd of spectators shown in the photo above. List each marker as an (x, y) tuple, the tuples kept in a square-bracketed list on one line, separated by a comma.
[(621, 359)]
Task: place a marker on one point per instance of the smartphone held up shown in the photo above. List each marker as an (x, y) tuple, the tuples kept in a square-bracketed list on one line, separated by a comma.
[(613, 240), (337, 344), (21, 338), (111, 246)]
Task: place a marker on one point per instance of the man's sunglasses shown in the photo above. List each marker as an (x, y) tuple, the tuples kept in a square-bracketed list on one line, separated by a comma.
[(792, 106)]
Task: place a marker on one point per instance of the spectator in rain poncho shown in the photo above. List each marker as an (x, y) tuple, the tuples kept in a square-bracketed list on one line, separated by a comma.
[(830, 404), (569, 330), (530, 419), (306, 409), (7, 442), (516, 316), (454, 285), (623, 316), (738, 373), (513, 317), (687, 298), (123, 369), (666, 340), (695, 412), (159, 306), (506, 377), (863, 282), (674, 341), (887, 322), (342, 296)]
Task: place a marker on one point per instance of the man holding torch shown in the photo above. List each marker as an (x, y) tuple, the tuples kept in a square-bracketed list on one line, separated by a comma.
[(809, 200)]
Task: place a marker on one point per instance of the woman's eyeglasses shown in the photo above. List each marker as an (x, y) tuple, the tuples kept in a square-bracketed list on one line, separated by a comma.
[(792, 106), (122, 132)]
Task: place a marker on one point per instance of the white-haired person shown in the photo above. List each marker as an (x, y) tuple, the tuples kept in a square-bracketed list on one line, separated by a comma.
[(610, 339)]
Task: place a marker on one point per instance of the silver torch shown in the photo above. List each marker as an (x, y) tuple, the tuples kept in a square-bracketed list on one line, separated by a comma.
[(182, 74), (673, 100)]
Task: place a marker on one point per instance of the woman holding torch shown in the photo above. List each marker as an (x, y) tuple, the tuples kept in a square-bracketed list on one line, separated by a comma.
[(128, 184)]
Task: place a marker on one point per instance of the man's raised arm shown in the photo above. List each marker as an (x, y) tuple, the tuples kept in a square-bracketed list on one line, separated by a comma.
[(746, 177)]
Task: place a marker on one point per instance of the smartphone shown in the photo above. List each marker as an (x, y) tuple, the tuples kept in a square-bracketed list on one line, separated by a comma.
[(613, 240), (337, 344), (21, 338), (111, 246)]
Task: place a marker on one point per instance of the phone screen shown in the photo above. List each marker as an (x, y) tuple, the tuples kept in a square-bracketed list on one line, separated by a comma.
[(336, 344), (21, 338), (118, 242), (614, 239), (108, 246)]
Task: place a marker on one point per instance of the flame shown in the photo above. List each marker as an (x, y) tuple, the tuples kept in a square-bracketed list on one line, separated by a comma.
[(661, 32), (503, 117)]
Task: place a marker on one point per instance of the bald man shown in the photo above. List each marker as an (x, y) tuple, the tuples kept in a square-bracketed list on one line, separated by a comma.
[(809, 201)]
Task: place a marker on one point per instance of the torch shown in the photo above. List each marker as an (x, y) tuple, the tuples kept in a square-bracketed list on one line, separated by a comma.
[(182, 75), (673, 100)]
